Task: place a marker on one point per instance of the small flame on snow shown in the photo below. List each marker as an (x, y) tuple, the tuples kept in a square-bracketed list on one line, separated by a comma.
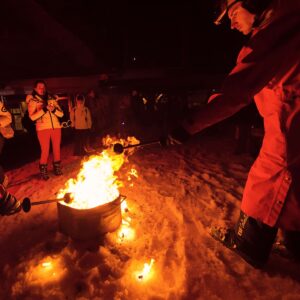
[(125, 232), (48, 270), (47, 264), (146, 273)]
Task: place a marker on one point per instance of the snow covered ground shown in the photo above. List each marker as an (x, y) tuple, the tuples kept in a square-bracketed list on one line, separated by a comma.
[(179, 193)]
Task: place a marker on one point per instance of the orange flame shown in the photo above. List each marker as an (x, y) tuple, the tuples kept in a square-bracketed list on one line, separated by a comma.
[(96, 183)]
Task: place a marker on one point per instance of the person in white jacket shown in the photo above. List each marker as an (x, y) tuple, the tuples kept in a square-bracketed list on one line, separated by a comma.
[(5, 119), (45, 111), (9, 204), (81, 119)]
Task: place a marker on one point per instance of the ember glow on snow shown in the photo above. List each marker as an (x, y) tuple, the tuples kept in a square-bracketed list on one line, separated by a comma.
[(49, 270), (125, 232), (147, 273)]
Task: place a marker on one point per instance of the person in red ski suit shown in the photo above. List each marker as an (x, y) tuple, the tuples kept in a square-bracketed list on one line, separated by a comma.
[(268, 70)]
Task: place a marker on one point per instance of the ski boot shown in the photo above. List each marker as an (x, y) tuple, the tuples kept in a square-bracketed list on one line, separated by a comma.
[(229, 239), (57, 168), (44, 171)]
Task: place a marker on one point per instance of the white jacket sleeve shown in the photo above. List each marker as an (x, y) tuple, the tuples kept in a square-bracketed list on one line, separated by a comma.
[(35, 111), (5, 116)]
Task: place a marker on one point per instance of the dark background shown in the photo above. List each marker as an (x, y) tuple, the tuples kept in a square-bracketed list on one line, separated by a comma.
[(54, 38), (41, 38)]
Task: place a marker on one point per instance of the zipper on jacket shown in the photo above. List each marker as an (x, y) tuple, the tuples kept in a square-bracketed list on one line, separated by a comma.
[(51, 119)]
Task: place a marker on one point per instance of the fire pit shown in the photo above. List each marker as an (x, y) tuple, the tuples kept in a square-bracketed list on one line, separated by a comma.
[(95, 201), (85, 224)]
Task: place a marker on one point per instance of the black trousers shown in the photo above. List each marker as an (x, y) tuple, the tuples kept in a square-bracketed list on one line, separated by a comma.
[(81, 139), (2, 140), (254, 240)]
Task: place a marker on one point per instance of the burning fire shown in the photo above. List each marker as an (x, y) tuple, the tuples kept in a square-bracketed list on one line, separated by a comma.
[(96, 183)]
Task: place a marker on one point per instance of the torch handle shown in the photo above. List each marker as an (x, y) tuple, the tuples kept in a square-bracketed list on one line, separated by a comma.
[(119, 148), (142, 144), (26, 204), (47, 201)]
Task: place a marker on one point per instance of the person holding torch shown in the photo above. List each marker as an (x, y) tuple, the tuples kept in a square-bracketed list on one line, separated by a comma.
[(268, 70)]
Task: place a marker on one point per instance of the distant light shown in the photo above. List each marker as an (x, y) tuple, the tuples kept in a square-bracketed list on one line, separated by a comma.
[(134, 58)]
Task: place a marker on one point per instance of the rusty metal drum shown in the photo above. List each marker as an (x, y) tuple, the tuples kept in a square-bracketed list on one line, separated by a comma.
[(85, 224)]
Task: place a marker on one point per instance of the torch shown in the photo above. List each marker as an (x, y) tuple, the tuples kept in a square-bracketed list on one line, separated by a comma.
[(26, 204), (119, 148)]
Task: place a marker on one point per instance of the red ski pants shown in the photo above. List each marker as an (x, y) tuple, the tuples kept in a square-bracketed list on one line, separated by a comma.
[(44, 137)]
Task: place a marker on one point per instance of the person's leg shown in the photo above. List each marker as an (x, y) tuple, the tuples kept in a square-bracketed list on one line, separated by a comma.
[(78, 142), (292, 243), (75, 144), (44, 140), (81, 136), (85, 140), (2, 175), (254, 239), (56, 140)]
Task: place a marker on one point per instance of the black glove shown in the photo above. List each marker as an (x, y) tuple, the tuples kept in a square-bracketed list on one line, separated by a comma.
[(8, 203), (176, 137)]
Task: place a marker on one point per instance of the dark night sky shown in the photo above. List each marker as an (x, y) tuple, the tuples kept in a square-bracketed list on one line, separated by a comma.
[(55, 37)]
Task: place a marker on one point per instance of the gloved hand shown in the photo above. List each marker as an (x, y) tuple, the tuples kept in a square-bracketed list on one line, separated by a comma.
[(41, 105), (8, 203), (176, 137), (51, 108)]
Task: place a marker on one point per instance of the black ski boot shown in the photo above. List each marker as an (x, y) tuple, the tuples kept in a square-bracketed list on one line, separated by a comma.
[(228, 238), (44, 171), (251, 240), (57, 168)]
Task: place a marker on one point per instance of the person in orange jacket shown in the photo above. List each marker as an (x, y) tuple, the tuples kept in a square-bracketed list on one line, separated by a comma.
[(268, 70)]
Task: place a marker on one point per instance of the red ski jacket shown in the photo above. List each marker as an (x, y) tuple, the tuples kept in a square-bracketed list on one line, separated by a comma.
[(268, 70)]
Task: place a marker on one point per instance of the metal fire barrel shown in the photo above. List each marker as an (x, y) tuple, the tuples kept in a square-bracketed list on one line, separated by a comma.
[(85, 224)]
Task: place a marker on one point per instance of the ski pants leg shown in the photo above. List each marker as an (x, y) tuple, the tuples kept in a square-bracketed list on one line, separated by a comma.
[(1, 169), (56, 140), (44, 140)]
